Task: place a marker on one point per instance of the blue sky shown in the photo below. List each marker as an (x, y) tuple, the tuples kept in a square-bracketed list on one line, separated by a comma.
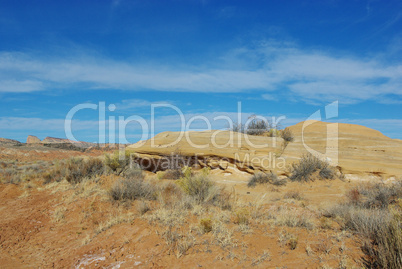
[(278, 58)]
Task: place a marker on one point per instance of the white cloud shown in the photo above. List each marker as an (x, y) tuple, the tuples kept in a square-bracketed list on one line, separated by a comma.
[(270, 68), (20, 86)]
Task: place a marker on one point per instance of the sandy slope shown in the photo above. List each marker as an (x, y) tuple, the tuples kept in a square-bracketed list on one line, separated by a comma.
[(355, 149)]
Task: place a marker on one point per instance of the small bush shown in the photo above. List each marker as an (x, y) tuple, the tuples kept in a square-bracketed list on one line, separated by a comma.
[(238, 127), (307, 166), (380, 195), (385, 249), (293, 195), (200, 187), (133, 173), (372, 211), (354, 197), (172, 174), (242, 216), (257, 127), (132, 189), (117, 162), (206, 225), (78, 169), (274, 133), (262, 178), (170, 194), (143, 207), (287, 135), (292, 242)]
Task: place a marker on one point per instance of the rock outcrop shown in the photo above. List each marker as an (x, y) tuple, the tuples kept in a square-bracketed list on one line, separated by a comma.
[(354, 149), (33, 139), (11, 142)]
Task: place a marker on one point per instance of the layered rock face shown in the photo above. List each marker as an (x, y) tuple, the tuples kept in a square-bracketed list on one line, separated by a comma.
[(354, 149)]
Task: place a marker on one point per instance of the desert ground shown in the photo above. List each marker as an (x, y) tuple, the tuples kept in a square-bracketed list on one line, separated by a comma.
[(67, 208)]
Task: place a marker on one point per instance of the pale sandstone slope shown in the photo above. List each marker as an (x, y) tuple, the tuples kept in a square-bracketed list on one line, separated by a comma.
[(361, 150)]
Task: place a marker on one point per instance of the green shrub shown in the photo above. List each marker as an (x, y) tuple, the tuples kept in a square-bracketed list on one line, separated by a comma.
[(117, 162)]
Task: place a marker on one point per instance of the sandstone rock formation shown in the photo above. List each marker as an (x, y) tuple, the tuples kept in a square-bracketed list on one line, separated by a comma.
[(55, 140), (354, 149), (32, 139)]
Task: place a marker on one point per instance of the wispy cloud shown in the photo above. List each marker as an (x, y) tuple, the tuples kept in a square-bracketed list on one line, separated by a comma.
[(269, 68)]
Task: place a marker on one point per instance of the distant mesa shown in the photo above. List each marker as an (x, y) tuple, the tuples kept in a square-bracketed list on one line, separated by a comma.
[(49, 140), (33, 139), (6, 141)]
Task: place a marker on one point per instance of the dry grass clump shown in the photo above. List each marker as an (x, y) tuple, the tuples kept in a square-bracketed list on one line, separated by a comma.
[(178, 243), (263, 178), (132, 189), (204, 191), (291, 217), (374, 213), (310, 167), (78, 169), (242, 216), (295, 195)]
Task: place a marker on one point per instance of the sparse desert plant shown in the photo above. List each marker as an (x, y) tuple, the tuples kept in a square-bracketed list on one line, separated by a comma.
[(205, 171), (200, 187), (293, 218), (77, 169), (132, 189), (241, 216), (354, 196), (118, 162), (379, 195), (133, 172), (287, 135), (325, 223), (206, 225), (308, 165), (372, 212), (385, 248), (292, 242), (238, 127), (265, 255), (257, 127), (169, 194), (143, 207), (263, 178), (295, 195), (59, 214), (274, 132)]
